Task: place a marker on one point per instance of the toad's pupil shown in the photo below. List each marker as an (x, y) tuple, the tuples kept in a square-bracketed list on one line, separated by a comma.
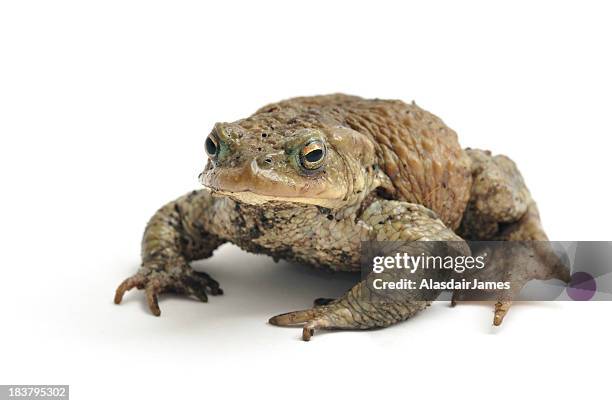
[(314, 156), (211, 147)]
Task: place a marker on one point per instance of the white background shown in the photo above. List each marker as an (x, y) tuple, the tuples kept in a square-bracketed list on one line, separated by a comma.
[(104, 107)]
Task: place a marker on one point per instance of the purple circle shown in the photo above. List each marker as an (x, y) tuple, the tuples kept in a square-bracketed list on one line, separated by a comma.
[(582, 286)]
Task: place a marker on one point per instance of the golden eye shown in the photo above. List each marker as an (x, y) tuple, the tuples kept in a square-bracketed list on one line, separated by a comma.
[(312, 155), (212, 148)]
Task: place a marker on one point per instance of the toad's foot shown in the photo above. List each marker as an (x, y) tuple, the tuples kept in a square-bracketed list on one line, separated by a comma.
[(501, 308), (358, 309), (328, 316), (366, 307), (179, 278), (514, 263)]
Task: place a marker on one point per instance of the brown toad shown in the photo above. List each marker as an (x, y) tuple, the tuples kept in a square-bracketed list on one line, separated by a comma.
[(308, 179)]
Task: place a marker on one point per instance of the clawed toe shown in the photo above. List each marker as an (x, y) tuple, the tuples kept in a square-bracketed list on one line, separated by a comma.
[(310, 327), (128, 284), (311, 318), (152, 290), (294, 318), (501, 309), (195, 284)]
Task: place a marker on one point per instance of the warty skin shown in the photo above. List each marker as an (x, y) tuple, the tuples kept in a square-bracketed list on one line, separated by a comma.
[(308, 179)]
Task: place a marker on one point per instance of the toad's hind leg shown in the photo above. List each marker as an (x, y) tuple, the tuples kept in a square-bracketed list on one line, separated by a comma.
[(365, 307), (502, 209), (500, 205)]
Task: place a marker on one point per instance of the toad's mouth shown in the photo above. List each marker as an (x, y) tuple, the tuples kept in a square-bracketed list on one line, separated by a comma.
[(251, 197), (259, 188)]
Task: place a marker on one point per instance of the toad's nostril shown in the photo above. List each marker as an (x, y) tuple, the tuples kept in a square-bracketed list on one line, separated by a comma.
[(263, 162)]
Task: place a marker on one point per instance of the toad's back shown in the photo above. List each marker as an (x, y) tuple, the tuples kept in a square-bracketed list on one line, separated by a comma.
[(418, 152)]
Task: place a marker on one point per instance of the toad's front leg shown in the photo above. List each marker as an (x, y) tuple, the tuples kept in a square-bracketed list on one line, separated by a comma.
[(362, 307), (178, 233)]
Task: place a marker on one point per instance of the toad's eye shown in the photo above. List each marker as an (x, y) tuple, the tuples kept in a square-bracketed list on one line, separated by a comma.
[(211, 146), (312, 155)]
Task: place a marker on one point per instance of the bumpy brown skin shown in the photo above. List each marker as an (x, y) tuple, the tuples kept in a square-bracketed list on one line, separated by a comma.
[(391, 171)]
